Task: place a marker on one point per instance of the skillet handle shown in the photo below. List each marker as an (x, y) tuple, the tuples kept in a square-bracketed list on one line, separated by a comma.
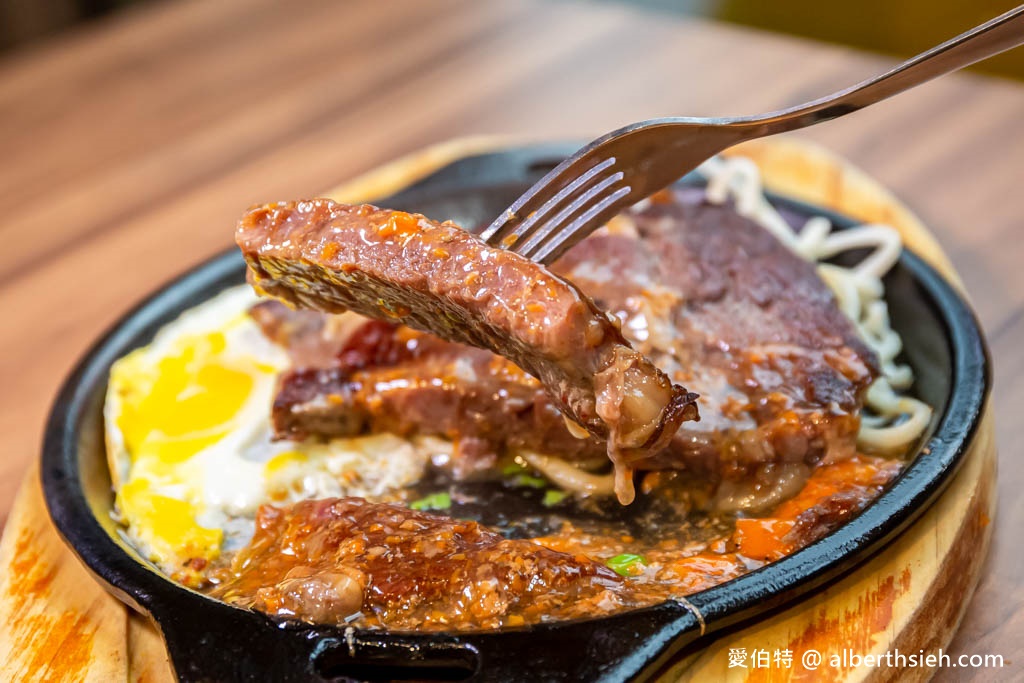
[(619, 648), (209, 641), (625, 647)]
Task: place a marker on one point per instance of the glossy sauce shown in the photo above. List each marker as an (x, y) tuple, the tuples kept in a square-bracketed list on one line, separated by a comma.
[(348, 561)]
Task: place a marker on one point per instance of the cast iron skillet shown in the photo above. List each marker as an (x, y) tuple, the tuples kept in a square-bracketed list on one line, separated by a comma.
[(208, 640)]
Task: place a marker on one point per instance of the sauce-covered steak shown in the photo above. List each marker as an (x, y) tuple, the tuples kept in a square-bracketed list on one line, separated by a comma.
[(720, 304), (382, 377), (381, 565), (439, 278), (328, 560), (710, 296)]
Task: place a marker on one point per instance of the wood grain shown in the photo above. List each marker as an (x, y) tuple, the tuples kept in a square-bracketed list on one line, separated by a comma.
[(57, 623), (131, 145)]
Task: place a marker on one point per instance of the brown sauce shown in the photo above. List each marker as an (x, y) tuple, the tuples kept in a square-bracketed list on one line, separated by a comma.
[(349, 561)]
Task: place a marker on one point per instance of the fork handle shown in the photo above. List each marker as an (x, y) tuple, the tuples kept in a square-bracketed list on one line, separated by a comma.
[(997, 35)]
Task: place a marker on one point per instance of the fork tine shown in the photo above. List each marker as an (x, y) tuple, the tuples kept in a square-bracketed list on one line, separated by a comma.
[(541, 232), (565, 204), (562, 239), (537, 202)]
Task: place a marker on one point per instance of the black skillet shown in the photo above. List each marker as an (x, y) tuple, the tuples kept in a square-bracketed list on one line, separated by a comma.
[(208, 640)]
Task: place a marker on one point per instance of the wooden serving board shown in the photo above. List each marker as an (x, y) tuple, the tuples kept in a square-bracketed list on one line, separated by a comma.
[(58, 623)]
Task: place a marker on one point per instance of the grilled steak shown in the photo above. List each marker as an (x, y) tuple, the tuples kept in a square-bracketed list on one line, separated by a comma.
[(710, 296), (382, 377), (439, 278), (718, 303), (327, 560)]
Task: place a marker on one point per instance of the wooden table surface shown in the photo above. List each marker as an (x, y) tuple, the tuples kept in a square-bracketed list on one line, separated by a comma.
[(131, 146)]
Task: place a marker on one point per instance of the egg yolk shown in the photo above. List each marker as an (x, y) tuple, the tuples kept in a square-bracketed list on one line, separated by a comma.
[(188, 406), (169, 522), (170, 411), (282, 460)]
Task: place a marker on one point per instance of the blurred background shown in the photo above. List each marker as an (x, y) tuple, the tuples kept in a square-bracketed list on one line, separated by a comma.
[(895, 27)]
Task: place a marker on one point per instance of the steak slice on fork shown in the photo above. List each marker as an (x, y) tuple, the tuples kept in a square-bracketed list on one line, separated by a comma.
[(438, 278)]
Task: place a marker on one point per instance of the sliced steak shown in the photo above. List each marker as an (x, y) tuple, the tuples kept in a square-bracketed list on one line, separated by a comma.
[(389, 378), (313, 340), (439, 278), (722, 306), (328, 561)]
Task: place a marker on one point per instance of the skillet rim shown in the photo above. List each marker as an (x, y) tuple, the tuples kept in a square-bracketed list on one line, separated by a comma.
[(722, 606)]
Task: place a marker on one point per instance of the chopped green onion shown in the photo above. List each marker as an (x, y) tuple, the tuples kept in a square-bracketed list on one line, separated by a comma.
[(626, 564), (553, 497), (530, 481), (512, 469), (520, 476), (435, 501)]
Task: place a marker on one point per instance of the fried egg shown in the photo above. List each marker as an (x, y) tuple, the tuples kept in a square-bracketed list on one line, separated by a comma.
[(190, 446)]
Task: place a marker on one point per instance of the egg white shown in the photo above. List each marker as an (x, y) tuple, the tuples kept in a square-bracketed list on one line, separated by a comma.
[(190, 446)]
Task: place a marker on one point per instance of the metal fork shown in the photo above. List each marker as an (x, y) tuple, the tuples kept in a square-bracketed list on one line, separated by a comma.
[(621, 168)]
